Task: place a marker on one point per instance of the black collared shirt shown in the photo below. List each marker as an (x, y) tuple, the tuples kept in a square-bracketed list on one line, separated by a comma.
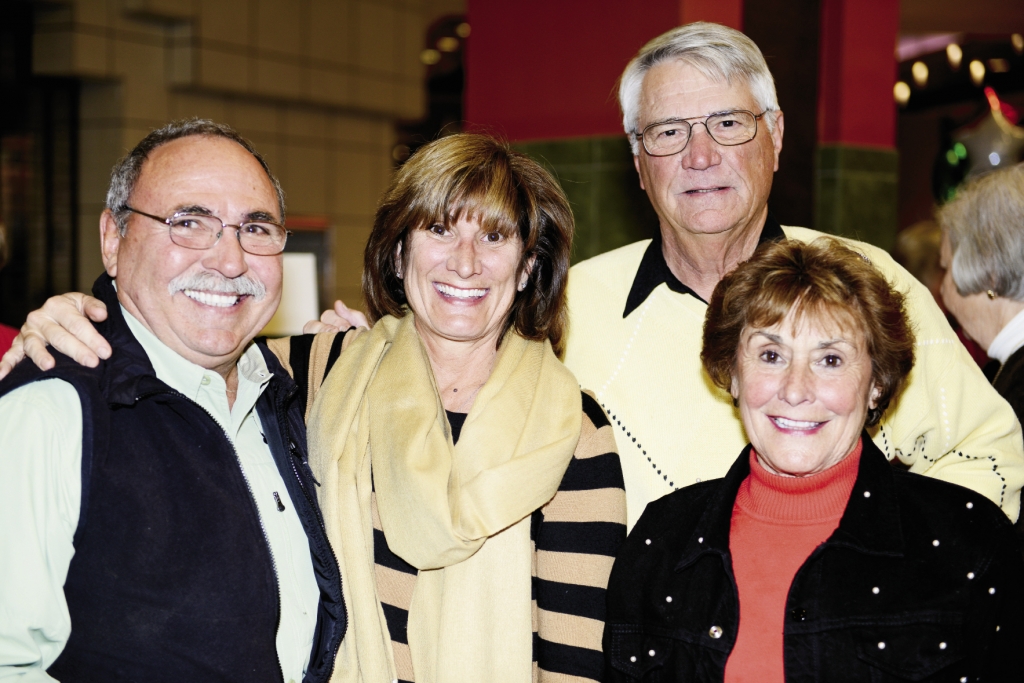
[(654, 269)]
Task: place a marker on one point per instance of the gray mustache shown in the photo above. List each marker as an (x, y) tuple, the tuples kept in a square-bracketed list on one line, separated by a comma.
[(211, 282)]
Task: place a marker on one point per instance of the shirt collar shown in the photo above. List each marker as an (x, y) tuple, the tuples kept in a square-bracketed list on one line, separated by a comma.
[(1009, 339), (654, 270), (186, 377)]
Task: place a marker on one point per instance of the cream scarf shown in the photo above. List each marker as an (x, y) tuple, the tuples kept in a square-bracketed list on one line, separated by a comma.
[(460, 514)]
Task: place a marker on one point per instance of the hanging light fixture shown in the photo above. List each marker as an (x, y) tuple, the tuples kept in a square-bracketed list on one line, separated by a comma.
[(955, 55), (977, 72), (901, 93)]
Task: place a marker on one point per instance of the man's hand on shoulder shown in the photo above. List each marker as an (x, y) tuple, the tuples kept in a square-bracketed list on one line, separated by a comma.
[(64, 323), (338, 319)]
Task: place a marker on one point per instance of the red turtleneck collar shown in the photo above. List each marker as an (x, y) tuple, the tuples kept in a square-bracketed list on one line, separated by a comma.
[(777, 522)]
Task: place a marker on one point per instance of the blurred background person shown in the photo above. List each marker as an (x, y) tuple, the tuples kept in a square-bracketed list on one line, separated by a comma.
[(983, 254), (812, 543), (917, 249), (7, 334)]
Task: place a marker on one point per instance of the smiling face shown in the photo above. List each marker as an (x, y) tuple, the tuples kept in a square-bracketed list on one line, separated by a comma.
[(804, 388), (204, 304), (460, 281), (706, 188)]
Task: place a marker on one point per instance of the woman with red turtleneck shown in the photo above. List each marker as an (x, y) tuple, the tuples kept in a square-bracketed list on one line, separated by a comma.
[(813, 559)]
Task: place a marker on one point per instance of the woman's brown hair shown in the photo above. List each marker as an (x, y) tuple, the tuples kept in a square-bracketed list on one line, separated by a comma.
[(478, 177), (823, 278)]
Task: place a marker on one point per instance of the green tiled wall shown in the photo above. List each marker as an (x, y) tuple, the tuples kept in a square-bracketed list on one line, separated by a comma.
[(603, 188), (856, 193)]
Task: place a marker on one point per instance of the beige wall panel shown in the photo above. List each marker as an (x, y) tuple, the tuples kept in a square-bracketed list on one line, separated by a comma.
[(99, 149), (412, 100), (411, 41), (306, 123), (349, 242), (164, 9), (225, 20), (330, 86), (187, 105), (100, 104), (267, 67), (254, 118), (279, 79), (304, 179), (330, 30), (356, 185), (280, 25), (223, 70), (51, 53), (143, 66), (376, 37), (90, 54), (345, 129), (373, 92), (95, 12)]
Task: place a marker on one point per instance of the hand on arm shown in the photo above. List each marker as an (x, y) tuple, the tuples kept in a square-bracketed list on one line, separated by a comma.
[(62, 322), (338, 319)]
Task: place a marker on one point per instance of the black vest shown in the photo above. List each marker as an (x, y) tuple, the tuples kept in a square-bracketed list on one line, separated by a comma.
[(172, 577)]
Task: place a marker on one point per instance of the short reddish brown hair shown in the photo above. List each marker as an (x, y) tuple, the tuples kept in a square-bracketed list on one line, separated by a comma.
[(479, 177), (825, 279)]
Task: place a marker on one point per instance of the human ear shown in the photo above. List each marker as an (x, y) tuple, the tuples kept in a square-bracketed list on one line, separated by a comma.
[(110, 241), (524, 277), (873, 397), (398, 261), (777, 136)]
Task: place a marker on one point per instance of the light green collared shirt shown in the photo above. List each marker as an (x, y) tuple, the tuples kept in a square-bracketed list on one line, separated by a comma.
[(40, 497)]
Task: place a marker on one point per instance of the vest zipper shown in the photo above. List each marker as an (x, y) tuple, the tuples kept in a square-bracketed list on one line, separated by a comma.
[(252, 500), (281, 419)]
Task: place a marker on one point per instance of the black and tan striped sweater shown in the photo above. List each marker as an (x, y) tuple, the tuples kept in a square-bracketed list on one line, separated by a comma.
[(575, 537)]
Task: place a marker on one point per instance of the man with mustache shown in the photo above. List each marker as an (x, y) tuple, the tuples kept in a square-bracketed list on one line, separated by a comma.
[(159, 516)]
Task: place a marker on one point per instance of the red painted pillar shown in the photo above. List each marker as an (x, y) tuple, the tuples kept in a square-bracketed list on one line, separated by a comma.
[(544, 70), (857, 72), (726, 12), (856, 162)]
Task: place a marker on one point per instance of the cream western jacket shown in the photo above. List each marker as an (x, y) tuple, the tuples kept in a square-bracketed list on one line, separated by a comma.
[(673, 427)]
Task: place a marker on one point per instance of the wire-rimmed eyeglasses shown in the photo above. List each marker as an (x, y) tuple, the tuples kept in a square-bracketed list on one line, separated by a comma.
[(665, 138), (203, 231)]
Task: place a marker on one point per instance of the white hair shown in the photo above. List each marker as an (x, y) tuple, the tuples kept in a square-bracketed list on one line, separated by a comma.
[(718, 52), (985, 227)]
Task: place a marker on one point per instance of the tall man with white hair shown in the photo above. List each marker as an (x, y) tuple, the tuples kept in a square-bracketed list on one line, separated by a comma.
[(158, 519), (700, 109)]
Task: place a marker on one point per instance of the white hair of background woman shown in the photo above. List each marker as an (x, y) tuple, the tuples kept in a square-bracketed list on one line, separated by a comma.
[(985, 227)]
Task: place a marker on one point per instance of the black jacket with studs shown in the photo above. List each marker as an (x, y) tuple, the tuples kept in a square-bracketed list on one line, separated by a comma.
[(922, 581)]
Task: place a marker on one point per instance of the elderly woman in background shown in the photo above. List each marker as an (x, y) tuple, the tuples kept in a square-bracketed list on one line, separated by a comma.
[(813, 559), (983, 254)]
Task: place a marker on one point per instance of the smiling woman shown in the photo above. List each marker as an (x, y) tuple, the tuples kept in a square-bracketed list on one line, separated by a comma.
[(474, 494), (811, 542)]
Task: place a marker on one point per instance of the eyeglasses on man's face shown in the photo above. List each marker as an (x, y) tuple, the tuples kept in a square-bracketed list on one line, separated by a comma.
[(202, 231), (728, 128)]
